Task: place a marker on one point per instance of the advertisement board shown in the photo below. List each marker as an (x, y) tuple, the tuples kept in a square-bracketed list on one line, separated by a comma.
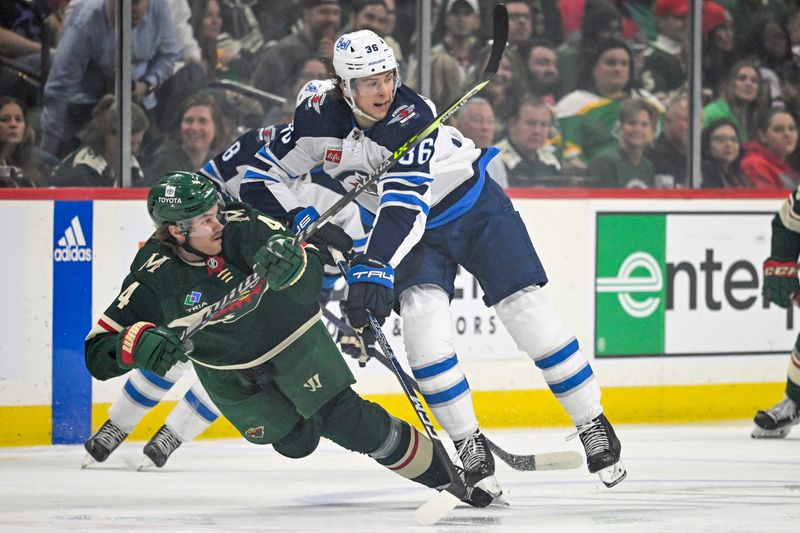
[(685, 283)]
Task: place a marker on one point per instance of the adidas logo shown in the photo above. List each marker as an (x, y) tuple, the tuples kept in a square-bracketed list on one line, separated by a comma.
[(72, 245)]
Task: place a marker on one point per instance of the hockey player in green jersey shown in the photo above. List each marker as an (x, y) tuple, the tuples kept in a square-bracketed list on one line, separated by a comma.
[(266, 359), (782, 288)]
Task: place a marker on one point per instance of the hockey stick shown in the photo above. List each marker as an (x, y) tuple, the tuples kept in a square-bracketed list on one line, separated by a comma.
[(526, 463), (499, 36)]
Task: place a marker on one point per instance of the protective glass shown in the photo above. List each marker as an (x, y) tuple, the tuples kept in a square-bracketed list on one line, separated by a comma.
[(205, 224)]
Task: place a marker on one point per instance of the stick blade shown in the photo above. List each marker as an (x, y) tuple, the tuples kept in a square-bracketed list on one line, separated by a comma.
[(558, 461), (499, 38), (436, 508)]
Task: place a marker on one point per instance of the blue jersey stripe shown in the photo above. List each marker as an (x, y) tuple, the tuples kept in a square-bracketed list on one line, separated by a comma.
[(465, 203), (435, 369), (446, 395), (138, 397), (558, 357), (406, 199), (201, 409), (570, 383)]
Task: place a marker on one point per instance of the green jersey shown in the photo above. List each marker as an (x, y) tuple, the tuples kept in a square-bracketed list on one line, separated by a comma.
[(164, 289)]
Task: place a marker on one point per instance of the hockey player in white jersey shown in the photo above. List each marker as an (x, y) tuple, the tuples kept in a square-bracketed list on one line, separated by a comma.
[(434, 210)]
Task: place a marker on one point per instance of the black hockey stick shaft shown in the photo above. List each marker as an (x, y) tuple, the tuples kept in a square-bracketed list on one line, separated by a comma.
[(500, 37), (525, 463)]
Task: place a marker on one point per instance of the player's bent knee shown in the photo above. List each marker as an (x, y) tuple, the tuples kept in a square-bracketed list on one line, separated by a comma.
[(533, 323), (301, 441), (427, 328)]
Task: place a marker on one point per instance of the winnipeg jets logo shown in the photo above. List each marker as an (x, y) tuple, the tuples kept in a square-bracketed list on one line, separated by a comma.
[(403, 114), (313, 383), (356, 180), (316, 101)]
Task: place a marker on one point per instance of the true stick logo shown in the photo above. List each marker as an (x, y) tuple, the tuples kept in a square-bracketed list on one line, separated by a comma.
[(72, 245)]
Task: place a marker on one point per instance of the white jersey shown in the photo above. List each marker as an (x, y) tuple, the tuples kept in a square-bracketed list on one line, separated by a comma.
[(432, 184)]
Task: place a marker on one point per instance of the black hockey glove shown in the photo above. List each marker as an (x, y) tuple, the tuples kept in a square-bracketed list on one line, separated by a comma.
[(780, 281), (371, 289), (357, 345), (143, 345), (328, 234)]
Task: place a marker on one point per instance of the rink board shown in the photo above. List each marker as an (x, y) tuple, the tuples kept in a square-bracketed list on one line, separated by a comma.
[(705, 346)]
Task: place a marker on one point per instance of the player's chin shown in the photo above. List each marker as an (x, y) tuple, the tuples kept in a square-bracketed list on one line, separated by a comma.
[(380, 111)]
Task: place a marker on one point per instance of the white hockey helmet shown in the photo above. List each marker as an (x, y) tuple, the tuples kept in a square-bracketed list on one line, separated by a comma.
[(313, 87), (360, 54)]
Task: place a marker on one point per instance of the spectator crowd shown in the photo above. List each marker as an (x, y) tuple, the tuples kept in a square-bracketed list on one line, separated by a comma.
[(589, 93)]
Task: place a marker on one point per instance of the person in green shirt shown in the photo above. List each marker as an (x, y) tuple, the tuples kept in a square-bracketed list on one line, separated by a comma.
[(625, 166), (743, 98), (265, 359)]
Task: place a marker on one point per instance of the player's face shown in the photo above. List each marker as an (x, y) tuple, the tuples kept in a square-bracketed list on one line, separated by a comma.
[(374, 94), (205, 232)]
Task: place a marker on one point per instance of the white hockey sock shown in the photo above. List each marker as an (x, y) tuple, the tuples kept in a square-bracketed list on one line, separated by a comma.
[(537, 330), (142, 391), (428, 337), (193, 414)]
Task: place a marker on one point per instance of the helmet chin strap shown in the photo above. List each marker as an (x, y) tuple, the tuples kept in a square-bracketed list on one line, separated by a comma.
[(192, 250)]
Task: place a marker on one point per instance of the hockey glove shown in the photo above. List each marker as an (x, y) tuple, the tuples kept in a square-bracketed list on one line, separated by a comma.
[(780, 281), (357, 345), (328, 234), (371, 289), (143, 345), (281, 262)]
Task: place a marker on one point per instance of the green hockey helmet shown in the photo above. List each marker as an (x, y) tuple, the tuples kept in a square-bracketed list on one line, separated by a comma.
[(178, 197)]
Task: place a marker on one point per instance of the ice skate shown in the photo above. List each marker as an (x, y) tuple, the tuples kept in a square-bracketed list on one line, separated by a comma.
[(482, 486), (602, 450), (776, 422), (101, 444), (160, 447)]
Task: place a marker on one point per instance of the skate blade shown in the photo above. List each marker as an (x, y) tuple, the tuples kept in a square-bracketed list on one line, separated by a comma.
[(613, 475), (146, 464), (779, 433), (87, 461), (436, 508)]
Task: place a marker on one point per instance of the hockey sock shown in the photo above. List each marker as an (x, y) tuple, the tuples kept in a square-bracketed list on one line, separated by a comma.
[(793, 374), (362, 426)]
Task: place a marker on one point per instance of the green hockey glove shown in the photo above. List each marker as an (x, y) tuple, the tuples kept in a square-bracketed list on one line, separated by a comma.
[(780, 281), (143, 345), (281, 262)]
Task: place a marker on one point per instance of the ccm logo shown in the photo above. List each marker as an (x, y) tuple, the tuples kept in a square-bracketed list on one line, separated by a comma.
[(782, 271)]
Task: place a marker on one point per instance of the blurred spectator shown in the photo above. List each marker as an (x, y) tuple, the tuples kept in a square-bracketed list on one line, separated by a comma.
[(476, 121), (321, 22), (94, 163), (721, 156), (589, 117), (83, 66), (670, 151), (747, 13), (625, 165), (768, 45), (206, 24), (20, 164), (539, 56), (24, 26), (521, 19), (601, 21), (388, 35), (718, 52), (764, 162), (793, 31), (191, 144), (367, 15), (664, 68), (455, 60), (506, 88), (743, 97), (529, 160), (305, 71), (181, 12)]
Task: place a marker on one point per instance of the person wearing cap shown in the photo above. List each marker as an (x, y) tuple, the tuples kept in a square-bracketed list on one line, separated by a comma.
[(321, 22), (718, 52), (664, 68)]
